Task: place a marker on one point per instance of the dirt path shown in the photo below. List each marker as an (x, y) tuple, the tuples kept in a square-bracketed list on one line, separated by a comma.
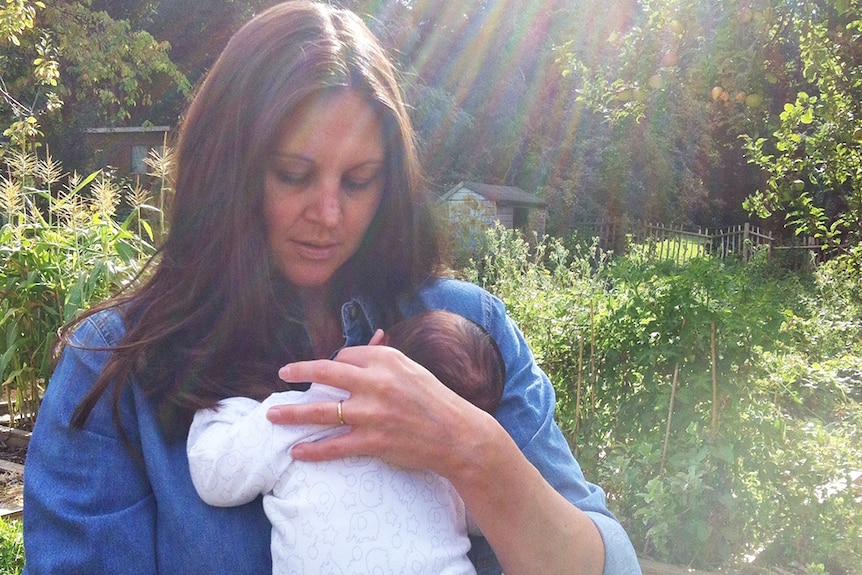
[(11, 491), (11, 476)]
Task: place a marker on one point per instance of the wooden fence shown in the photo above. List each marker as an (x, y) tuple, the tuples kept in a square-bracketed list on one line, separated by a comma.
[(680, 244)]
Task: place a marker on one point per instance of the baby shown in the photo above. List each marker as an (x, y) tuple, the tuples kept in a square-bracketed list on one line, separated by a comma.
[(354, 515)]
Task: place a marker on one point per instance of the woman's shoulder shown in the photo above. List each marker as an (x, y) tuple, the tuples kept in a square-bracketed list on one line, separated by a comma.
[(446, 289), (464, 298), (100, 329)]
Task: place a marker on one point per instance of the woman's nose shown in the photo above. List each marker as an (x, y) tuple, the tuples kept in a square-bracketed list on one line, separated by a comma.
[(325, 207)]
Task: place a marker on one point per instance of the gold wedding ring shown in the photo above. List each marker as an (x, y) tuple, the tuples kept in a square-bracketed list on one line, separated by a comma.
[(340, 413)]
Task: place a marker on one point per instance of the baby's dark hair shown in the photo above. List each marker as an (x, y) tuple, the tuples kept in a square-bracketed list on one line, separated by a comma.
[(458, 351)]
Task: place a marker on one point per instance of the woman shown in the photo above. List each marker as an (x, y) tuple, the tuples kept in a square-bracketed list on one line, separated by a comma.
[(297, 230)]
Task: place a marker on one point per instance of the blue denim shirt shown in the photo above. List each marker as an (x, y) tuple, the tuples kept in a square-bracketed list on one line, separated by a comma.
[(92, 506)]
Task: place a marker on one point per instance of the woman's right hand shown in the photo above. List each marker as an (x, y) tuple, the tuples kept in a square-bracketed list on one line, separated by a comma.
[(398, 410)]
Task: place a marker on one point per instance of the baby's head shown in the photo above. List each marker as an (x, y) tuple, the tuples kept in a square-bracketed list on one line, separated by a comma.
[(459, 352)]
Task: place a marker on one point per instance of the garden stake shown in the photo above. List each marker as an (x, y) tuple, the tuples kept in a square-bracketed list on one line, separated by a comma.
[(669, 416), (670, 410), (592, 354), (580, 381), (714, 384)]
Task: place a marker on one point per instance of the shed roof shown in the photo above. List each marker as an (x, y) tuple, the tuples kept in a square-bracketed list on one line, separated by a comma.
[(505, 194), (128, 130)]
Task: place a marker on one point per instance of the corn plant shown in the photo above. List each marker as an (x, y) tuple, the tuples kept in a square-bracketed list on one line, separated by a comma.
[(62, 247)]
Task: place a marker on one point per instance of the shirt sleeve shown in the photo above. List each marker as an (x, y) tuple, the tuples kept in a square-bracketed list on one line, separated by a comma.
[(88, 505)]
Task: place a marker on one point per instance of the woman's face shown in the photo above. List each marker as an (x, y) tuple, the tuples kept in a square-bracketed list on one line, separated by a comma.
[(323, 186)]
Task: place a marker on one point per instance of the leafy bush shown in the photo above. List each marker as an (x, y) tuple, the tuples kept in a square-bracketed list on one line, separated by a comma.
[(60, 250), (716, 401)]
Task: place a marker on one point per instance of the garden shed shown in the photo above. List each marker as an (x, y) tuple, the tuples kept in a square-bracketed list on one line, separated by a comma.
[(124, 148), (511, 206)]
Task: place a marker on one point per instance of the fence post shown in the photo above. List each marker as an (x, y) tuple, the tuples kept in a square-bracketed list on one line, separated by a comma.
[(746, 243), (769, 241)]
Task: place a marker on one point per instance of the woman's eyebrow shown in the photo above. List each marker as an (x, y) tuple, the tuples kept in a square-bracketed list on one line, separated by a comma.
[(279, 155), (368, 163)]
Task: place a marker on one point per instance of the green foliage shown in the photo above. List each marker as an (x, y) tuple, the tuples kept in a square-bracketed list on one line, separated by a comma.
[(64, 64), (11, 547), (464, 223), (651, 83), (815, 168), (17, 22), (16, 16), (691, 91), (61, 249), (107, 65), (717, 402), (813, 159)]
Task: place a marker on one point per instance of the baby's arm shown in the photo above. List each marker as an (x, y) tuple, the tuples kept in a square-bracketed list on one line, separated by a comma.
[(232, 456)]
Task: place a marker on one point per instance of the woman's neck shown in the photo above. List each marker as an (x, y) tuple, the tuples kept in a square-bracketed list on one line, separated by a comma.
[(321, 321)]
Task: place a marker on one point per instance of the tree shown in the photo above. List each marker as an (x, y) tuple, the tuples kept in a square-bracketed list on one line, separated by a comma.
[(813, 158), (651, 82), (17, 20), (109, 68), (101, 70), (489, 67), (717, 102)]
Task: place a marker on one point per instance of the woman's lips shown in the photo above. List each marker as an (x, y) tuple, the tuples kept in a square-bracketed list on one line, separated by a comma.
[(316, 251)]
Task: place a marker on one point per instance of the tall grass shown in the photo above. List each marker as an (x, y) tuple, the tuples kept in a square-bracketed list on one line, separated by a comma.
[(11, 547)]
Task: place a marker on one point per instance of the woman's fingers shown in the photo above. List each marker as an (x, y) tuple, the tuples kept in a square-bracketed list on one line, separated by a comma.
[(319, 371), (397, 410), (343, 372), (319, 413), (340, 373), (379, 338)]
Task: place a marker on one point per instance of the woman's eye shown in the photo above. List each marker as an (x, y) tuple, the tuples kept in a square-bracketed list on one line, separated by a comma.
[(292, 178), (356, 185), (360, 181)]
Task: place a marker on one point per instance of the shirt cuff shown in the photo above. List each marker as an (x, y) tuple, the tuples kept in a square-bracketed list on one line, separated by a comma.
[(620, 557)]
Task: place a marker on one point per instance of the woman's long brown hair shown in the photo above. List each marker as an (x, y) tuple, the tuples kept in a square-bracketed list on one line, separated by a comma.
[(215, 319)]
